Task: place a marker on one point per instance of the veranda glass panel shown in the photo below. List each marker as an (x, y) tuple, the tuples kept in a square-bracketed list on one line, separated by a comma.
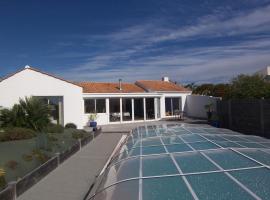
[(203, 145), (122, 191), (257, 180), (178, 148), (138, 109), (193, 138), (228, 159), (158, 107), (172, 188), (150, 108), (126, 109), (100, 106), (168, 106), (194, 162), (217, 186), (176, 105), (158, 165), (114, 110), (257, 155), (171, 140), (153, 150), (151, 141), (124, 170)]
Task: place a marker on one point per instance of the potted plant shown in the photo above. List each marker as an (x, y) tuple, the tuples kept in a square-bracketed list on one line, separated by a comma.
[(209, 110), (215, 120), (92, 122)]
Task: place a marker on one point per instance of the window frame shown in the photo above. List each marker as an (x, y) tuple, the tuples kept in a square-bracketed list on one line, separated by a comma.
[(95, 105)]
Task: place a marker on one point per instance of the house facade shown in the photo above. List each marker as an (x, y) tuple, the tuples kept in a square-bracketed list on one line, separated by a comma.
[(144, 100)]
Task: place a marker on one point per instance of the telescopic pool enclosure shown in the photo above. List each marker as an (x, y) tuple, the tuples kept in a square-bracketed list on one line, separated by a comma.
[(186, 161)]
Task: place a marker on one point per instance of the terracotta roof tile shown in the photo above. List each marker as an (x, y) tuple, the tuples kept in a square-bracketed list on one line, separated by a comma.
[(96, 87), (156, 86)]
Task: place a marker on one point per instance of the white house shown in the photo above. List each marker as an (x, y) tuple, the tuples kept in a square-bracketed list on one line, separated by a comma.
[(113, 102), (265, 72)]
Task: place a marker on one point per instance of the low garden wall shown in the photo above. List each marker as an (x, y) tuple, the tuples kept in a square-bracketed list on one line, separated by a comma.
[(16, 188)]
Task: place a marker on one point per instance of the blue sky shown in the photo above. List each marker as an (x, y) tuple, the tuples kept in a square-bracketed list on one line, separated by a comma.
[(103, 40)]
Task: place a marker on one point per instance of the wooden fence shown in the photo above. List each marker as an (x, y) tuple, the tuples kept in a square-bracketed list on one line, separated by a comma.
[(248, 116)]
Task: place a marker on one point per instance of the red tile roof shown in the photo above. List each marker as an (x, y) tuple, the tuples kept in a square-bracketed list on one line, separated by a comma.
[(160, 86), (96, 87)]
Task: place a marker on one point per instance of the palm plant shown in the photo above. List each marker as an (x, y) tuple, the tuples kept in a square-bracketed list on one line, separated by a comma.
[(31, 112), (36, 113)]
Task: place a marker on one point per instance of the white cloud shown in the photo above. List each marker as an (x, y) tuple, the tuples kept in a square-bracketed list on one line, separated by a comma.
[(137, 52)]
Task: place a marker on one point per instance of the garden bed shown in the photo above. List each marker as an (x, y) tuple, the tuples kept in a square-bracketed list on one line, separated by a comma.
[(20, 157)]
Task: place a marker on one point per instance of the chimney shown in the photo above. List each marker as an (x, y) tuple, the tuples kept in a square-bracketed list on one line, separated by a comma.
[(165, 79), (120, 84)]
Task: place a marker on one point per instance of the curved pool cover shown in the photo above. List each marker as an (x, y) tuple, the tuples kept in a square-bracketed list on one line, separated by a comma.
[(184, 161)]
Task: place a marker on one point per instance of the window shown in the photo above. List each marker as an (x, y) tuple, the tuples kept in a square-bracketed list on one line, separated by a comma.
[(56, 108), (173, 105), (94, 106), (100, 106)]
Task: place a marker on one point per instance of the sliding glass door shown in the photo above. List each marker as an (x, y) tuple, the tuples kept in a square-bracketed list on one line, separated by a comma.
[(114, 105), (126, 109), (138, 109), (150, 108)]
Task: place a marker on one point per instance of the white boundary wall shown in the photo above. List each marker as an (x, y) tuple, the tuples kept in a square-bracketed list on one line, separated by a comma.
[(194, 106)]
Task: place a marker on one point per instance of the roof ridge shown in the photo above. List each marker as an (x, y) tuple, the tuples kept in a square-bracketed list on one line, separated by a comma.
[(27, 67), (104, 82)]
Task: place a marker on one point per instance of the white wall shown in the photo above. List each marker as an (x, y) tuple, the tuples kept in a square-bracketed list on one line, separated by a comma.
[(31, 83), (194, 106)]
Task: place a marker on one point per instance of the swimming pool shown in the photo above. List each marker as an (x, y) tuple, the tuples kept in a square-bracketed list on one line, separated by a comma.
[(186, 161)]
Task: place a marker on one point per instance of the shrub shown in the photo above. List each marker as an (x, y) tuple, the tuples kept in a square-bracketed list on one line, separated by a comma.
[(12, 164), (55, 128), (70, 125), (40, 156), (52, 138), (3, 182), (77, 135), (17, 133), (27, 157)]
